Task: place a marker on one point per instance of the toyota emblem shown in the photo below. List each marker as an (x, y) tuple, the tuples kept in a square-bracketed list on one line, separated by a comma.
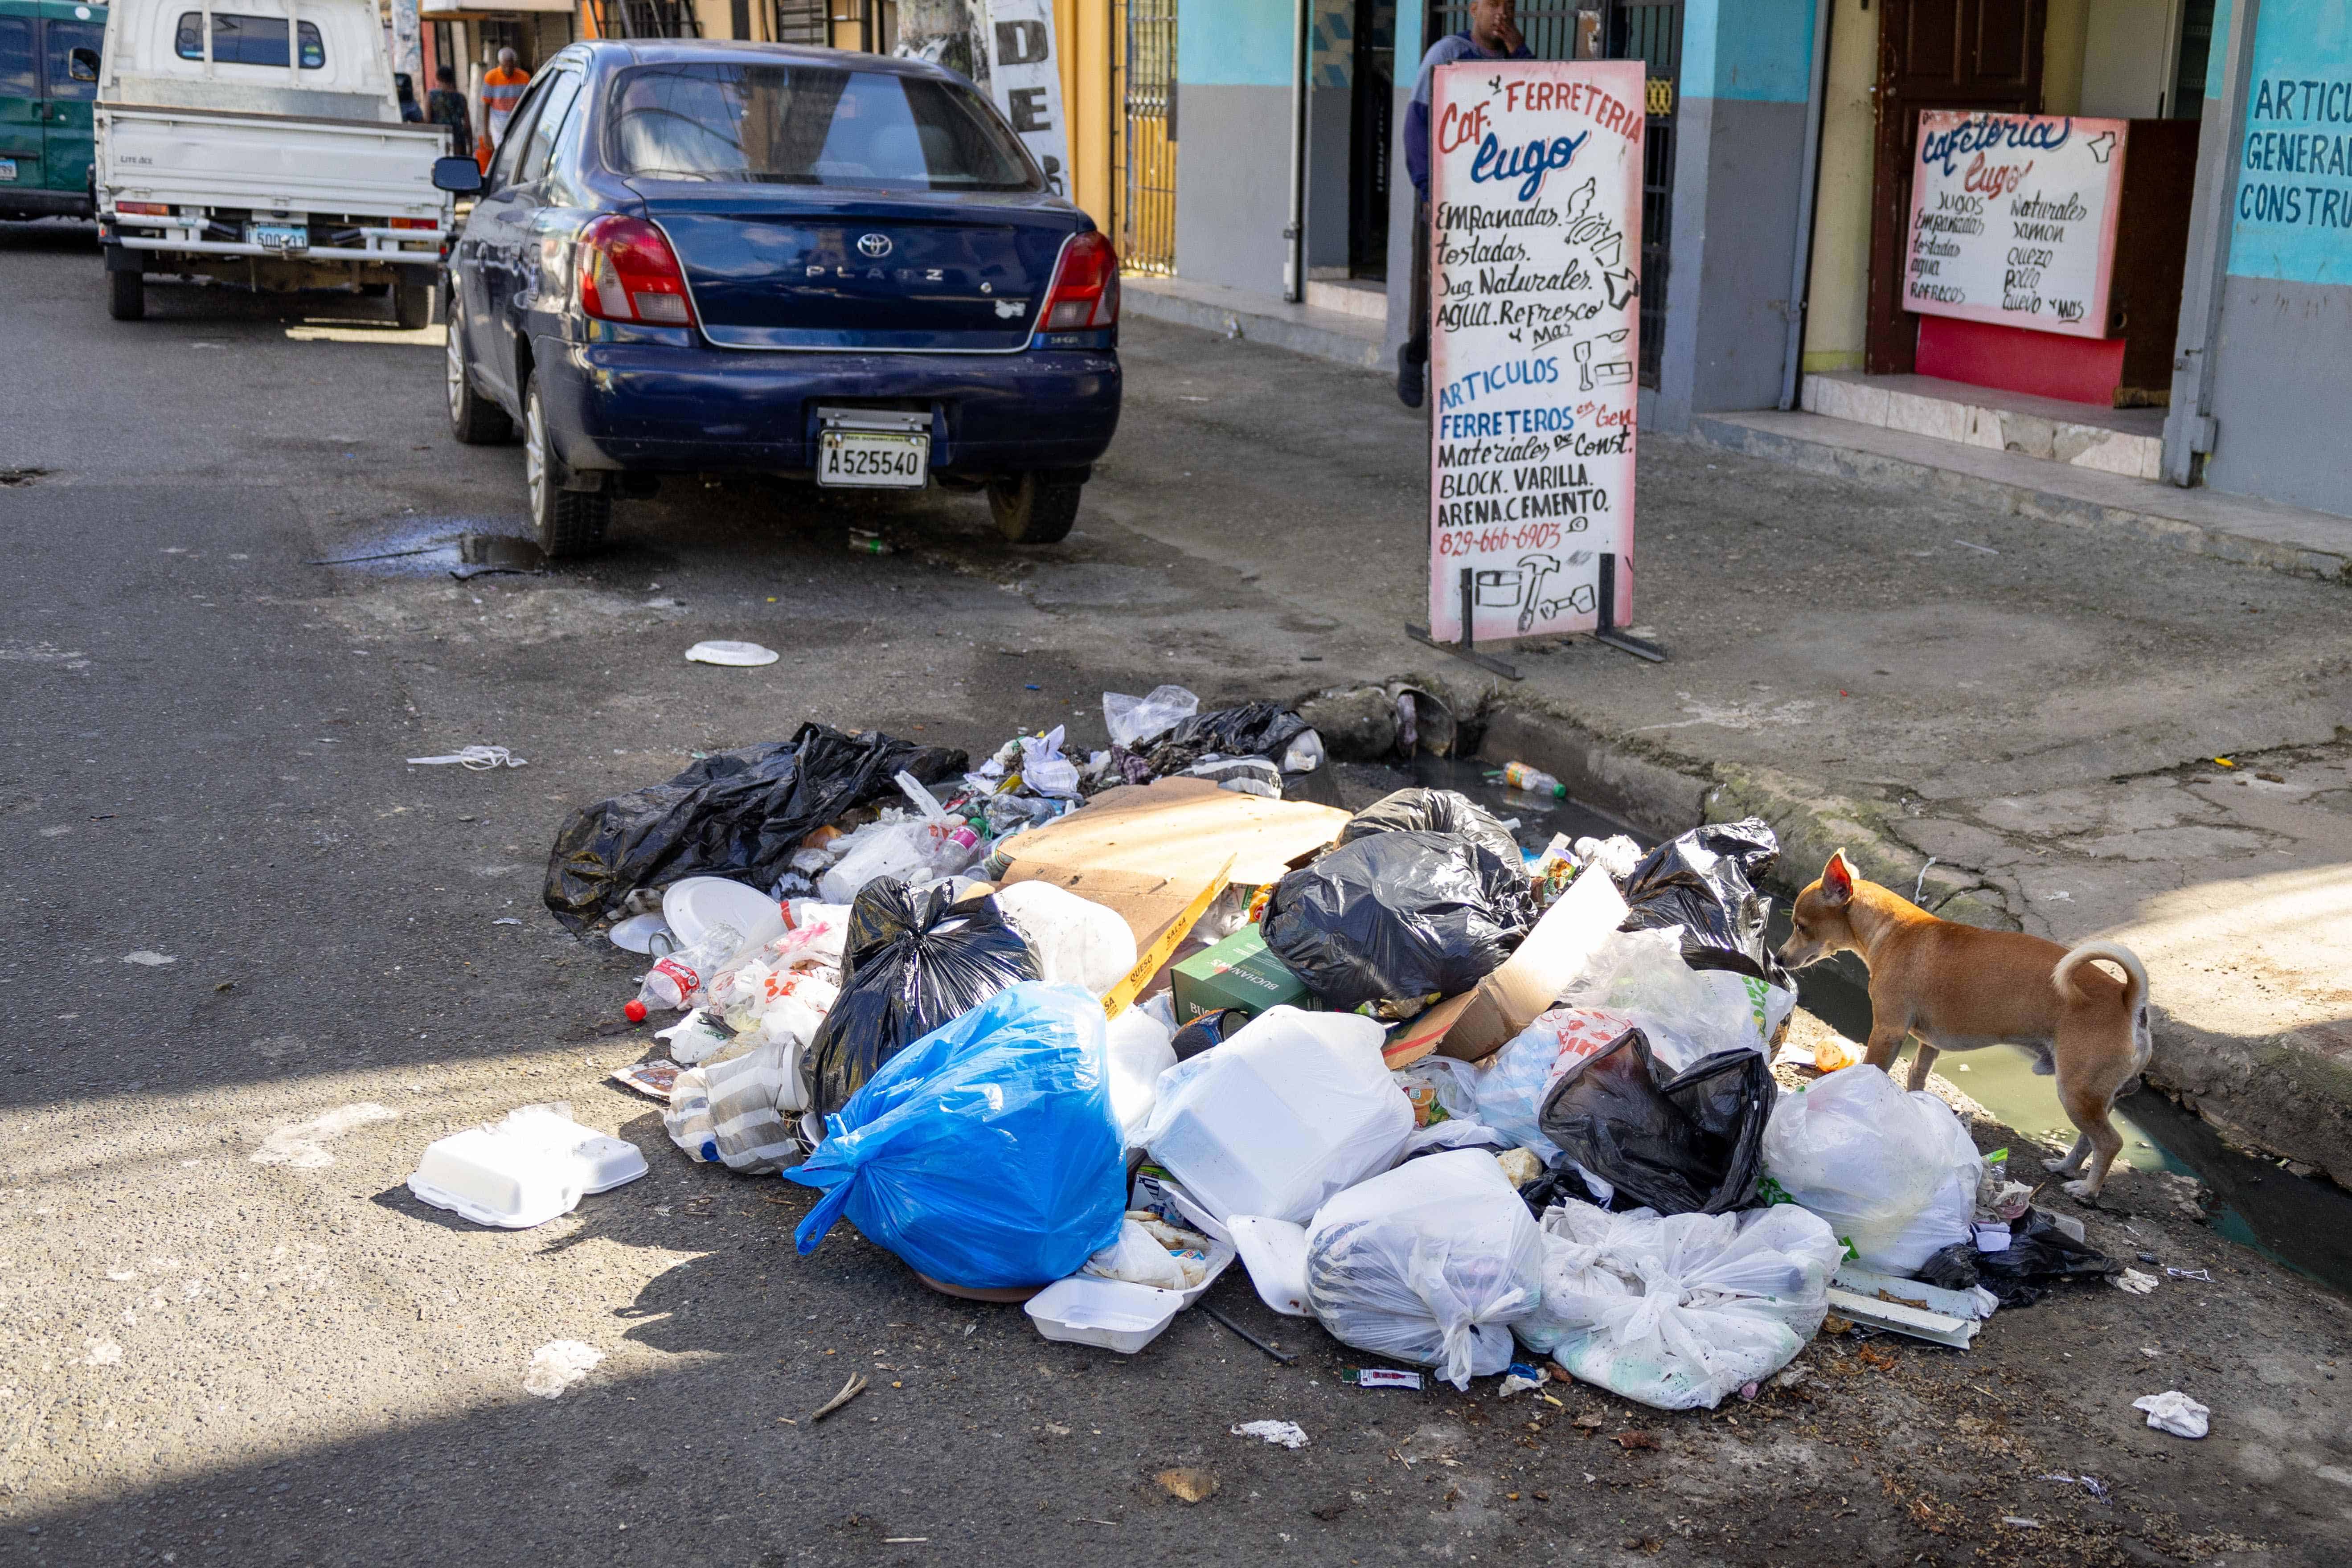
[(874, 245)]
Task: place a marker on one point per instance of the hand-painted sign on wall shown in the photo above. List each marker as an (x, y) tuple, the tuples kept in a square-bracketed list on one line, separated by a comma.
[(2291, 219), (1025, 75), (1534, 261), (2013, 219)]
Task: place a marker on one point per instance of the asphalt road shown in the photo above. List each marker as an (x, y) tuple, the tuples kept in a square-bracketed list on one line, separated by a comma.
[(259, 962)]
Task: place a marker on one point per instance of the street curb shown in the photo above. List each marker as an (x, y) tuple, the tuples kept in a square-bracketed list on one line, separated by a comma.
[(2022, 500), (1299, 337), (2286, 1096)]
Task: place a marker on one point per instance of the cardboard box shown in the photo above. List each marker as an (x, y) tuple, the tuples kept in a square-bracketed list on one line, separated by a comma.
[(1475, 1024), (1144, 851), (1238, 973)]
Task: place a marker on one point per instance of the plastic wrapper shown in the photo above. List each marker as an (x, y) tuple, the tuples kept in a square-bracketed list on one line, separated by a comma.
[(1895, 1174), (2039, 1254), (1434, 811), (1430, 1264), (1680, 1310), (1077, 942), (1703, 884), (1140, 1257), (1512, 1084), (740, 1110), (913, 961), (1687, 1142), (984, 1154), (1133, 720), (1686, 1013), (1398, 919), (739, 814)]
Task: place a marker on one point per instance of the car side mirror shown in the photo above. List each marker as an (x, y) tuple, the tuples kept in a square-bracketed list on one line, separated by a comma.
[(81, 65), (458, 176)]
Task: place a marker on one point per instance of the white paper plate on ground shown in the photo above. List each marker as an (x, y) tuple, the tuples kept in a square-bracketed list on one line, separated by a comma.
[(691, 907), (745, 655), (643, 933)]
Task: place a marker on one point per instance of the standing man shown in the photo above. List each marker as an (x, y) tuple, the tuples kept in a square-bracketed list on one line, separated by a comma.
[(501, 90), (445, 106), (1493, 35)]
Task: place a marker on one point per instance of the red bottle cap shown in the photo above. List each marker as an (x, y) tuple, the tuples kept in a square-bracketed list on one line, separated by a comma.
[(634, 1011)]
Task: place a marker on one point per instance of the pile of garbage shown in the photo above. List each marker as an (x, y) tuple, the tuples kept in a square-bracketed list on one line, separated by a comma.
[(1084, 1034)]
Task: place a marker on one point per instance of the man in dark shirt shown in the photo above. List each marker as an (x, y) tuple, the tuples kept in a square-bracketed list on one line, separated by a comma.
[(1493, 35), (447, 107)]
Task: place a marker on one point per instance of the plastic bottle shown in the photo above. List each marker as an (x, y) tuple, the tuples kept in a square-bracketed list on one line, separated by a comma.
[(1534, 781), (678, 978)]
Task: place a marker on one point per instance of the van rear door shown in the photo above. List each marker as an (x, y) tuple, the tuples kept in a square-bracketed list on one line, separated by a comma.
[(20, 102), (67, 147)]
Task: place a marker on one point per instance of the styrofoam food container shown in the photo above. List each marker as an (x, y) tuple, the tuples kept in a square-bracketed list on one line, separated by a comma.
[(524, 1171), (1116, 1314), (692, 907)]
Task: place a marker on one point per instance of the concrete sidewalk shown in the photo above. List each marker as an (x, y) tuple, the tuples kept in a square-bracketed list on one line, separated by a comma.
[(1905, 674)]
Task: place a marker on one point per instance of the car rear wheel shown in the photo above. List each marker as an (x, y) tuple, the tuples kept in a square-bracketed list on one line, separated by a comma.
[(1035, 509), (473, 418), (568, 522), (126, 296), (412, 305)]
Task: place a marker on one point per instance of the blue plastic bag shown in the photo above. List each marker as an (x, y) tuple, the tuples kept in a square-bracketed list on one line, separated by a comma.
[(985, 1154)]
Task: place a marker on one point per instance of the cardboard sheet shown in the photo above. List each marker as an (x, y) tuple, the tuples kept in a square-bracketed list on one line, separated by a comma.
[(1145, 850), (1480, 1021)]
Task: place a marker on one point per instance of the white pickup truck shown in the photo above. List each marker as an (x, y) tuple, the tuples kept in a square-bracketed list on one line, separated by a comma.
[(223, 153)]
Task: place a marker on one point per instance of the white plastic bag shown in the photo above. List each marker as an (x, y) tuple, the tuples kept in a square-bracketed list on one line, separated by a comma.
[(1513, 1082), (1679, 1311), (1688, 1014), (1078, 941), (1431, 1264), (1133, 720), (1138, 1048), (1141, 1257), (1044, 768), (1895, 1174), (1292, 1109)]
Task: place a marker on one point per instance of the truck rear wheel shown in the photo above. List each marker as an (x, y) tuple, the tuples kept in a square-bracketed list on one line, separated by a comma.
[(412, 306), (126, 296), (567, 522), (1035, 508)]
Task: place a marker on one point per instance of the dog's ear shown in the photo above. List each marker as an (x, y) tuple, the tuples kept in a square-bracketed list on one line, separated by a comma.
[(1837, 880)]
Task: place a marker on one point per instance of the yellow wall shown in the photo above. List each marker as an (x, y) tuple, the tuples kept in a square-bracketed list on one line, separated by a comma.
[(1083, 29), (2064, 41), (1837, 294)]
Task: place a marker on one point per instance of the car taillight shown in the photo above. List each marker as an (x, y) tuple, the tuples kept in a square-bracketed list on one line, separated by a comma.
[(415, 223), (158, 209), (1086, 286), (628, 273)]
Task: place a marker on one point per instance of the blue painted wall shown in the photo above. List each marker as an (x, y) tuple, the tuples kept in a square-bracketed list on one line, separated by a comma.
[(1234, 43), (2292, 196), (1759, 50)]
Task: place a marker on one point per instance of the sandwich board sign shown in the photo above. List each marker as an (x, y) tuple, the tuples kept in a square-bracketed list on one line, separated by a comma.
[(1535, 275)]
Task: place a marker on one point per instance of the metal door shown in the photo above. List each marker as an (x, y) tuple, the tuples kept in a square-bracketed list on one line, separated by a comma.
[(1649, 31), (1143, 185), (803, 22), (67, 144)]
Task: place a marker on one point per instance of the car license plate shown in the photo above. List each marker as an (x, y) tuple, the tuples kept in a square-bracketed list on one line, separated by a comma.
[(282, 235), (878, 460), (8, 168)]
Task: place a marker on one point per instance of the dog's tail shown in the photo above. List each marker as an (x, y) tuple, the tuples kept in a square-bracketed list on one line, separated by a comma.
[(2122, 958)]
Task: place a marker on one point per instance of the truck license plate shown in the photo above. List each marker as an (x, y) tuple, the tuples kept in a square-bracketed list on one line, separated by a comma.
[(282, 235), (8, 168), (876, 460)]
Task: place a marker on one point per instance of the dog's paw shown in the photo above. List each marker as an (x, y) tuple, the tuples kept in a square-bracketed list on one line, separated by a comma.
[(2082, 1191), (2058, 1165)]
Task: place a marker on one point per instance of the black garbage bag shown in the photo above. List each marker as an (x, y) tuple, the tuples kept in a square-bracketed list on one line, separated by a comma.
[(910, 963), (1692, 1144), (2038, 1257), (1253, 730), (1434, 811), (1704, 882), (736, 814), (1398, 918)]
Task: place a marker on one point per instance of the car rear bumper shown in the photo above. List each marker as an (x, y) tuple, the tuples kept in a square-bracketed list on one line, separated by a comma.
[(37, 202), (653, 407)]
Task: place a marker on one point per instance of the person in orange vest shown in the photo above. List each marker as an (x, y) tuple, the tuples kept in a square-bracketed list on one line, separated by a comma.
[(501, 90)]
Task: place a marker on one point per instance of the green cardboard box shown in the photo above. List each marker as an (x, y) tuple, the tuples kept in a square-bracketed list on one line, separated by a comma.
[(1238, 973)]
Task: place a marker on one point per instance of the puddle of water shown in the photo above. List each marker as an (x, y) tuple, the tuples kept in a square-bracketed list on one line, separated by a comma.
[(2303, 1223), (427, 546)]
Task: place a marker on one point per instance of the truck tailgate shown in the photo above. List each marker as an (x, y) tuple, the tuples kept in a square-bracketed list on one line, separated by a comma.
[(265, 161)]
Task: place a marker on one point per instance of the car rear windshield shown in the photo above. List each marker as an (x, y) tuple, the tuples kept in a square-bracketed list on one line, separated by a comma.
[(248, 41), (797, 124)]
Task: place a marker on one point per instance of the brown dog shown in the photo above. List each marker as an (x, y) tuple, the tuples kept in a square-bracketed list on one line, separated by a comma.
[(1960, 987)]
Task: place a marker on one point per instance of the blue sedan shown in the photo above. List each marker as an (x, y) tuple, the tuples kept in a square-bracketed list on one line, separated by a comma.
[(696, 258)]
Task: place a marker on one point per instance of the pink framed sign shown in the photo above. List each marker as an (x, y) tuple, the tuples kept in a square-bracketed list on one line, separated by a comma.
[(2013, 219), (1535, 270)]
